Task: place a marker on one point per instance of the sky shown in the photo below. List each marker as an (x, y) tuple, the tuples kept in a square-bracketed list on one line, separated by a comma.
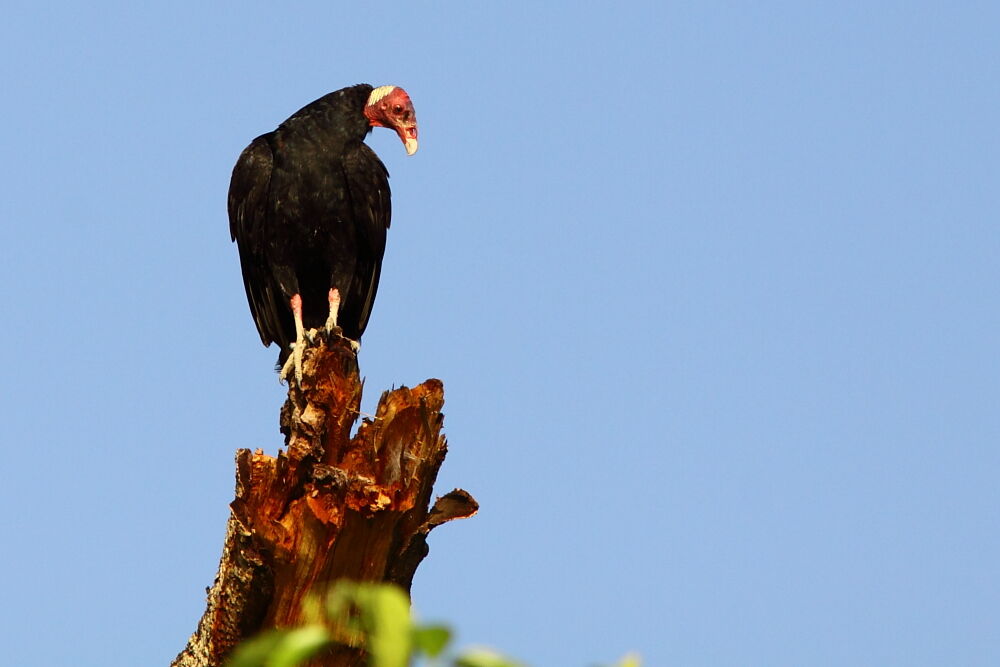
[(712, 288)]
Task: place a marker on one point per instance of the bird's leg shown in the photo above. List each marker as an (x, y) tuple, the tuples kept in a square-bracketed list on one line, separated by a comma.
[(299, 346), (331, 321)]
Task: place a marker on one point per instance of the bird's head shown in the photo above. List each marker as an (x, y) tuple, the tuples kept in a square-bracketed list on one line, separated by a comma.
[(390, 106)]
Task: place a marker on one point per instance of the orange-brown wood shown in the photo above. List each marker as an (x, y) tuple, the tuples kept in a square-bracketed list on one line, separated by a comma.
[(330, 506)]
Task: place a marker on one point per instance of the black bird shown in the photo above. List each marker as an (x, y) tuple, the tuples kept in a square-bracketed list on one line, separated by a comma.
[(309, 207)]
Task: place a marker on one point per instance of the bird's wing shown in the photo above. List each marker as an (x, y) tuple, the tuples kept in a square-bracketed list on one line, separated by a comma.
[(370, 199), (248, 225)]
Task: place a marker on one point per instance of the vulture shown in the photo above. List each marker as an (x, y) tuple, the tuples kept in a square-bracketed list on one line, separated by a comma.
[(308, 209)]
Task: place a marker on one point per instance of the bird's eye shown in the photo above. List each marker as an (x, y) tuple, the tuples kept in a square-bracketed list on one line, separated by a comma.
[(397, 109)]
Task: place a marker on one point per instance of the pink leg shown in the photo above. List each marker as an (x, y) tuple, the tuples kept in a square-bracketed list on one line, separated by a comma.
[(299, 346), (331, 321), (296, 303)]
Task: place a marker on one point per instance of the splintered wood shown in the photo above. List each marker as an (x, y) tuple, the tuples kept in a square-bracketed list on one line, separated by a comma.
[(330, 506)]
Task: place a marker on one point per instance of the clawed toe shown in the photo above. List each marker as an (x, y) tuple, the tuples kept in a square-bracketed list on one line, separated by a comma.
[(294, 361)]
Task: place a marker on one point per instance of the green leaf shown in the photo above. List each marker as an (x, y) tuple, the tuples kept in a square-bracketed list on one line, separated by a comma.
[(312, 610), (386, 610), (340, 598), (341, 608), (378, 614), (299, 645), (484, 657), (255, 652), (431, 639), (629, 660)]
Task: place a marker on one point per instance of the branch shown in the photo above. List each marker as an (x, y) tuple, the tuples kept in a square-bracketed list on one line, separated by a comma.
[(330, 506)]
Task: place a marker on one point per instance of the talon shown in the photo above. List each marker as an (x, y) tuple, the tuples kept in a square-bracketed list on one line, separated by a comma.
[(294, 361), (283, 373)]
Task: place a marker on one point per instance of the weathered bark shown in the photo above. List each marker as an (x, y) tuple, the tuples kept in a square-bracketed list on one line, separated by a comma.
[(330, 506)]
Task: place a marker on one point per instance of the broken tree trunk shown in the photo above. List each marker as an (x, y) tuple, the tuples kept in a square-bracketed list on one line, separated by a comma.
[(329, 507)]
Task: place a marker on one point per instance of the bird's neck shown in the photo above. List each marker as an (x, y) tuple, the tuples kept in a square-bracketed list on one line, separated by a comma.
[(337, 117)]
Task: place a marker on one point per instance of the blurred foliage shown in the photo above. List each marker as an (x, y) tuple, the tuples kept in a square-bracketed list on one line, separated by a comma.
[(375, 617)]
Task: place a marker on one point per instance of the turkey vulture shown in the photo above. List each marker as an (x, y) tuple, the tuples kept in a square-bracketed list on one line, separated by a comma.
[(309, 209)]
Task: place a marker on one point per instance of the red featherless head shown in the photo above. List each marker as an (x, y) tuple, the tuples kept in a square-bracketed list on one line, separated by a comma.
[(390, 106)]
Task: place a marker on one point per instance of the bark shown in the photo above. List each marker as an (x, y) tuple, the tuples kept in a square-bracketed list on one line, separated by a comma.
[(330, 506)]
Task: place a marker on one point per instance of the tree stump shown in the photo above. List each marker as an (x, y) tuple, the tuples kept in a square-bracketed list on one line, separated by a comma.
[(328, 507)]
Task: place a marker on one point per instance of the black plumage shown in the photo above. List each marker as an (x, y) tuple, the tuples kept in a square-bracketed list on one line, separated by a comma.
[(309, 207)]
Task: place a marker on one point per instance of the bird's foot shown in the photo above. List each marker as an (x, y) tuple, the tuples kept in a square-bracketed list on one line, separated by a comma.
[(335, 332), (331, 327), (294, 362)]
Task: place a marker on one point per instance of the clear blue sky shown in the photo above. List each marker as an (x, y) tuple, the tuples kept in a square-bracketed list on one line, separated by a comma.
[(713, 290)]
